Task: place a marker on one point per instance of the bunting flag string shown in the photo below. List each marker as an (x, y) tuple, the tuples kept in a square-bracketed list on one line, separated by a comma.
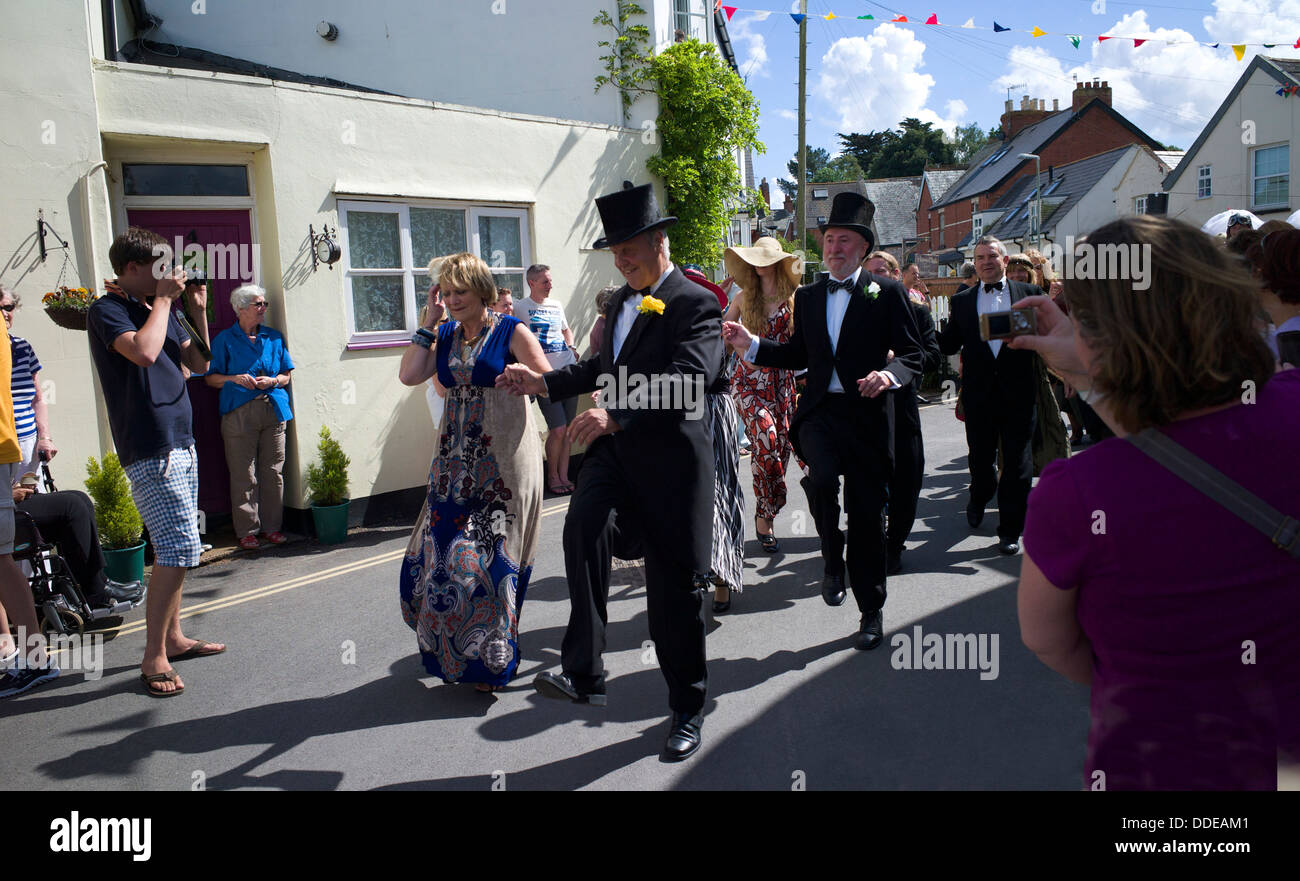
[(1076, 40)]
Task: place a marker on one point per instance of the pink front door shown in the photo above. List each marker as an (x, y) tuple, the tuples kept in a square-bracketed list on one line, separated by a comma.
[(204, 228)]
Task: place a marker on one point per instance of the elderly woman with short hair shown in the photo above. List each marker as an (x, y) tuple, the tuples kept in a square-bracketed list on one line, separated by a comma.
[(251, 367)]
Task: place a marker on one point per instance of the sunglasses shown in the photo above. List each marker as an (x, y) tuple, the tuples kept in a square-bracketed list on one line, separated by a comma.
[(9, 308), (261, 304), (1238, 220)]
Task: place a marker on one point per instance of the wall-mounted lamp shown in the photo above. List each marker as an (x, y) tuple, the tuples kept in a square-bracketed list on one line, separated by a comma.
[(323, 247), (41, 227), (328, 31)]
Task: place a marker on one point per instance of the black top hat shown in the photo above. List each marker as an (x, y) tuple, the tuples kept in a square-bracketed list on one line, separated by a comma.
[(853, 211), (628, 213)]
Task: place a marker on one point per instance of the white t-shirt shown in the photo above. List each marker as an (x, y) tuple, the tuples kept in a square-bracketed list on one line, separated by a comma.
[(547, 322)]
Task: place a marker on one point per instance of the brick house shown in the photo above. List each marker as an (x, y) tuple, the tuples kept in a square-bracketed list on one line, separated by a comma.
[(1088, 127)]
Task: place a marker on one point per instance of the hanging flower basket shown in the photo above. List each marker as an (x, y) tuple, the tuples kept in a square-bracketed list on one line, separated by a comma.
[(67, 307)]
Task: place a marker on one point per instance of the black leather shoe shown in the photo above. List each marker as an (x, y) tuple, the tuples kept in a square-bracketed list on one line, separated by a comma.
[(871, 632), (683, 738), (894, 564), (833, 589), (1010, 548), (560, 686), (721, 607), (974, 515)]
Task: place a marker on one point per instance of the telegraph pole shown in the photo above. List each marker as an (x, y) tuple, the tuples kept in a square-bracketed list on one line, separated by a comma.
[(801, 206)]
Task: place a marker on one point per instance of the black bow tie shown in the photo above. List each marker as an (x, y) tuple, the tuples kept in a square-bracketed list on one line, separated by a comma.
[(832, 285), (996, 286), (641, 293)]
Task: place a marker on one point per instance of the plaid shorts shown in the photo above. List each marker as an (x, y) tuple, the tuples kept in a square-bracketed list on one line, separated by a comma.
[(166, 490)]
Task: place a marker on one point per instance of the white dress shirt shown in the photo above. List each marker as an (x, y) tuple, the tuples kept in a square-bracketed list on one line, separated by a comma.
[(993, 301), (627, 315), (837, 303)]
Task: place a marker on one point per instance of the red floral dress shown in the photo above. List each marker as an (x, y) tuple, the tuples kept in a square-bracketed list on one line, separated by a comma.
[(766, 399)]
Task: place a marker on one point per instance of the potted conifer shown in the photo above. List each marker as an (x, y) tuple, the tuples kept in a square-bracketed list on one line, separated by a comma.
[(327, 489), (118, 520)]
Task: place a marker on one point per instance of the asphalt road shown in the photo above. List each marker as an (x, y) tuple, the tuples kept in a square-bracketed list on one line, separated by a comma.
[(322, 687)]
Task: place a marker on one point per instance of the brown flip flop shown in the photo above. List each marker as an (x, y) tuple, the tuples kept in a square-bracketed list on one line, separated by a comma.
[(200, 649), (166, 676)]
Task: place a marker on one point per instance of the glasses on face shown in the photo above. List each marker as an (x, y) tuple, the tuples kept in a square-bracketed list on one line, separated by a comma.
[(260, 304), (1238, 220), (9, 307)]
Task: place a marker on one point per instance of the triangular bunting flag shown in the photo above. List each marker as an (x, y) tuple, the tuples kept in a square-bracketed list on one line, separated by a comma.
[(1137, 42), (1099, 39), (933, 19), (1297, 44), (1239, 50), (828, 16), (900, 18), (872, 17), (798, 18), (1038, 32), (997, 28), (1214, 45), (1074, 39), (1269, 45), (761, 14), (730, 10), (970, 23)]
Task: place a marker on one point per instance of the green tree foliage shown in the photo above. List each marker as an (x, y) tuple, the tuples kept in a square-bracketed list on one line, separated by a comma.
[(327, 480), (627, 57), (866, 147), (116, 516), (815, 159), (917, 146), (968, 140), (842, 167), (706, 115)]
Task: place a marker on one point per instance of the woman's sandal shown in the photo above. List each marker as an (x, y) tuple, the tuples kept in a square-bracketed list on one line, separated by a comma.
[(484, 688), (561, 489), (769, 542)]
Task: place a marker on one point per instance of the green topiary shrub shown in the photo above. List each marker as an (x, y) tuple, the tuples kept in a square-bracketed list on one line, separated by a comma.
[(327, 482), (116, 516)]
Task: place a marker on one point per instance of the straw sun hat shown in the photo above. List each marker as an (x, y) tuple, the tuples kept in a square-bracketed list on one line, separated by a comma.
[(742, 263)]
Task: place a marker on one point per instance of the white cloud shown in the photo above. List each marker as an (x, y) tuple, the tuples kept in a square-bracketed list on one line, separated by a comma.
[(750, 48), (873, 82), (788, 114), (1169, 91)]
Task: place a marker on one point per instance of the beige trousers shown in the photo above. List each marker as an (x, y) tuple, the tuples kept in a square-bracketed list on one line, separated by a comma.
[(254, 437)]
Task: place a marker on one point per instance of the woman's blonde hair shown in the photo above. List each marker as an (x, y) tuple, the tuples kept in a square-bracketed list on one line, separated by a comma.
[(1186, 341), (889, 259), (753, 309), (465, 272)]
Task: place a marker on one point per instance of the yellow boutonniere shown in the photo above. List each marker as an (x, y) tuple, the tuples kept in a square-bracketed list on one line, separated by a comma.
[(651, 304)]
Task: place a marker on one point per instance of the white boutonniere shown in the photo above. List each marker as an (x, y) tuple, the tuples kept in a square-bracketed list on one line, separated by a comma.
[(872, 291)]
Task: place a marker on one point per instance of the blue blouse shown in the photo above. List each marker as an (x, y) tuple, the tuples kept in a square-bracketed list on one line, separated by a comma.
[(234, 353), (492, 358)]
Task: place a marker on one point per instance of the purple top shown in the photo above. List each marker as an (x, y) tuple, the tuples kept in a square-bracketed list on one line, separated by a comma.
[(1193, 615)]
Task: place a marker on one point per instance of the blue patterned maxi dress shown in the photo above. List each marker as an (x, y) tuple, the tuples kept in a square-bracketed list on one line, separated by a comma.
[(469, 560)]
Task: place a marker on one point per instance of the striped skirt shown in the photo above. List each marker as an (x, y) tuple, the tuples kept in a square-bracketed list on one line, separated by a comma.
[(728, 501)]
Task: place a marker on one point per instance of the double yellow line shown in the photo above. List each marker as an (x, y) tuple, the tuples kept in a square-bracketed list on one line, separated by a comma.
[(280, 586)]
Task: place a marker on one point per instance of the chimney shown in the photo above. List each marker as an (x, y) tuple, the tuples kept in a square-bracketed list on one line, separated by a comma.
[(1086, 91), (1030, 112), (767, 193), (788, 205), (1056, 104)]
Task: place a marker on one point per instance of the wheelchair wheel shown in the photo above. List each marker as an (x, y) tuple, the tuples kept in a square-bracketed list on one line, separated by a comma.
[(63, 621)]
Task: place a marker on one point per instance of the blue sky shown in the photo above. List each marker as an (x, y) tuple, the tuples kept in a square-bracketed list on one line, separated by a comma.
[(865, 75)]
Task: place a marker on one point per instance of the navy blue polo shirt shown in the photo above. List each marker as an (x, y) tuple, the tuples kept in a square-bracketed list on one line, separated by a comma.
[(148, 407)]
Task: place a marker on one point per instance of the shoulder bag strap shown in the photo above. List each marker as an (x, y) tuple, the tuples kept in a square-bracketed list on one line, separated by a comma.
[(1282, 530)]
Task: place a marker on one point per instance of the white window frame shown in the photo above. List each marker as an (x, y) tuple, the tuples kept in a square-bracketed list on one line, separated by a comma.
[(686, 11), (1203, 176), (408, 271), (1139, 204), (976, 227), (1254, 155), (821, 194)]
